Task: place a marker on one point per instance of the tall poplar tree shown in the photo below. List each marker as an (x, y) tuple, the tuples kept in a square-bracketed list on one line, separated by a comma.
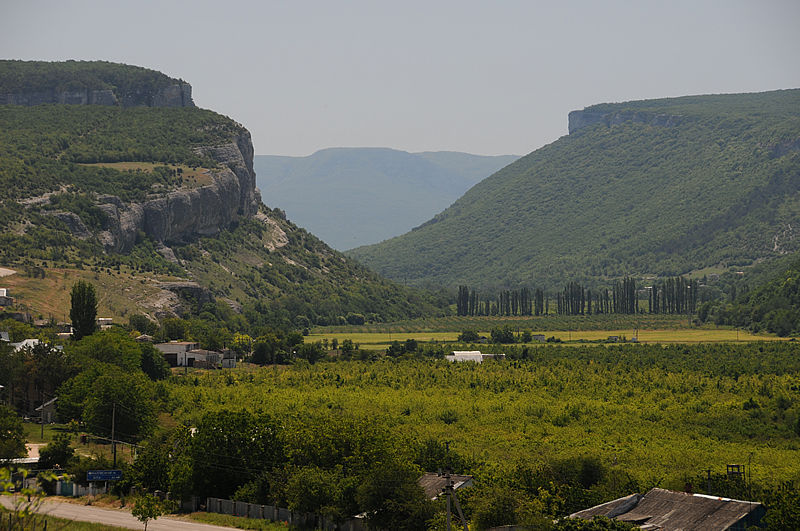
[(83, 312)]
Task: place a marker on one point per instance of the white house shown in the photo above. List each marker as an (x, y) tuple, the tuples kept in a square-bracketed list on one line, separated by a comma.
[(472, 355), (175, 351)]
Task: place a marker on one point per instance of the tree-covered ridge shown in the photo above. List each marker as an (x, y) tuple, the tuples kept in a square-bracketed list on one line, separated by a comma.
[(773, 306), (775, 103), (41, 147), (717, 186), (126, 81)]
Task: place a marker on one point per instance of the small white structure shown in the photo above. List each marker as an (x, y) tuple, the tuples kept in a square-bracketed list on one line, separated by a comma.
[(175, 351), (104, 323), (472, 355), (25, 343), (5, 298)]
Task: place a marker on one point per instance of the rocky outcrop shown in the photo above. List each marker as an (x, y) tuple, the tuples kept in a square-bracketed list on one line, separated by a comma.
[(176, 95), (188, 212), (74, 223), (189, 290), (581, 119)]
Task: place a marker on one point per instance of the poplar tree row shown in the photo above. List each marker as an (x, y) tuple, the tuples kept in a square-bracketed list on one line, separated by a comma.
[(507, 302), (574, 299), (674, 295)]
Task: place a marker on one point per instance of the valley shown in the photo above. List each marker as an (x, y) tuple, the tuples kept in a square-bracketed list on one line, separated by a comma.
[(632, 285)]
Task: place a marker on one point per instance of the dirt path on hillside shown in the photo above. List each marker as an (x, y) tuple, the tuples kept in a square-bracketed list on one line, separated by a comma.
[(33, 448), (6, 272)]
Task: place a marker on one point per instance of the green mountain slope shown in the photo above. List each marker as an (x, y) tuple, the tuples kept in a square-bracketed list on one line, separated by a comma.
[(150, 195), (642, 188), (89, 82), (357, 196)]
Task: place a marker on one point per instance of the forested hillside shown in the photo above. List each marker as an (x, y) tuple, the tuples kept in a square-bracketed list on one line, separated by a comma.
[(773, 306), (356, 196), (637, 189), (89, 82), (165, 194)]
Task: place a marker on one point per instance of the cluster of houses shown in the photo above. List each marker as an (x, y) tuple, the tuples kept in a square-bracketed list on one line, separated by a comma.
[(189, 354), (176, 353)]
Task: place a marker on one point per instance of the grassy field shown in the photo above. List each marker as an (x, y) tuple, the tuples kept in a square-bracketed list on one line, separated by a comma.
[(119, 293), (53, 523), (191, 176), (238, 522), (93, 447), (382, 339), (551, 322)]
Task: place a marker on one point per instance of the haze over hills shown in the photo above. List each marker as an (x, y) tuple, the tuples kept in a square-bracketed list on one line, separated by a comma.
[(643, 188), (131, 189), (356, 196)]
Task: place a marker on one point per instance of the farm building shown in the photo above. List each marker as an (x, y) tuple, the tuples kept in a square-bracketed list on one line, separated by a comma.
[(472, 355), (662, 509), (47, 411), (175, 351)]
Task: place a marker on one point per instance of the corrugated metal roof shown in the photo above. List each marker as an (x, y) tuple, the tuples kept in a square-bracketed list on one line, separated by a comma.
[(670, 510), (433, 484)]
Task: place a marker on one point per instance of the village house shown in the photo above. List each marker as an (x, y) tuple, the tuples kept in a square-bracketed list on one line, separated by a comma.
[(175, 351), (666, 509), (5, 298), (204, 359)]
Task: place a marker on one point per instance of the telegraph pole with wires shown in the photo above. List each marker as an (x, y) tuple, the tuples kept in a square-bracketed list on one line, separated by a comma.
[(450, 492), (113, 426)]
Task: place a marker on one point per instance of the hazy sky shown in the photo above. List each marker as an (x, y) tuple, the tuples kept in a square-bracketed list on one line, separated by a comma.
[(490, 77)]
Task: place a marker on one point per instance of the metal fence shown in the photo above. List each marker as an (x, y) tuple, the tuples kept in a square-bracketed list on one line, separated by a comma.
[(280, 514)]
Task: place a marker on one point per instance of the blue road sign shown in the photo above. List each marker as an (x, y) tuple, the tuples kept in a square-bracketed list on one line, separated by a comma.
[(103, 475)]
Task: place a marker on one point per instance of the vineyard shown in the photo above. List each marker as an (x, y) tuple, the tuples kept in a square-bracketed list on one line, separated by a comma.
[(661, 414)]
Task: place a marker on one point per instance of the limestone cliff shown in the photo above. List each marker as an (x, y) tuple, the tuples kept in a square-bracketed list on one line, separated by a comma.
[(89, 83), (187, 212), (176, 95), (586, 118)]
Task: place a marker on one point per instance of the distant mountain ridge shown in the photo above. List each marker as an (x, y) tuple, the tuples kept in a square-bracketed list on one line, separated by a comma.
[(644, 188), (353, 196)]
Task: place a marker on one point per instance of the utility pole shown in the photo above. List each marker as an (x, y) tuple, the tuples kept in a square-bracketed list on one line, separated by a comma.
[(450, 492), (41, 417), (113, 427)]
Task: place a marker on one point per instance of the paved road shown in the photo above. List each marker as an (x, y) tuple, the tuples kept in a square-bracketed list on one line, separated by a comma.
[(115, 517)]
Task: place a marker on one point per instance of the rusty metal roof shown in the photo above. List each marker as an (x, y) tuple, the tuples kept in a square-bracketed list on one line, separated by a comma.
[(669, 510), (433, 484)]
